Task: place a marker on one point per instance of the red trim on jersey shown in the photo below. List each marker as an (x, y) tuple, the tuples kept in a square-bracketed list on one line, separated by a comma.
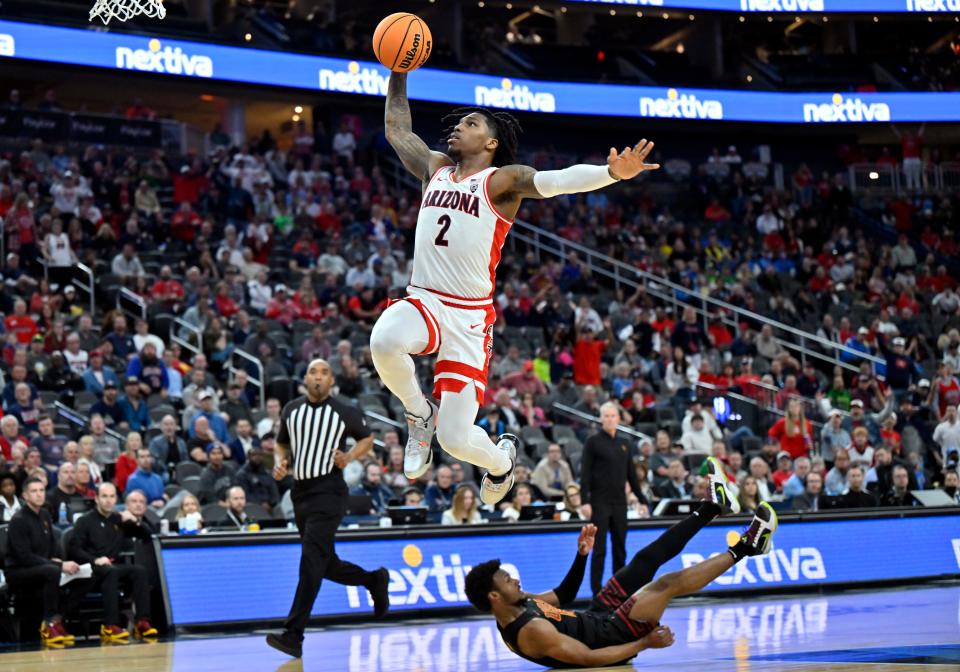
[(456, 387), (433, 326), (480, 302), (446, 165), (486, 194), (450, 366)]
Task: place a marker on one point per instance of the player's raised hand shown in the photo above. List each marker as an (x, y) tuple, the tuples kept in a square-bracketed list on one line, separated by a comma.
[(588, 534), (631, 161), (660, 638)]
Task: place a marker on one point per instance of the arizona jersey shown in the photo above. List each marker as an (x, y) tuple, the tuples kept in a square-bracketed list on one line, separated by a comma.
[(459, 236)]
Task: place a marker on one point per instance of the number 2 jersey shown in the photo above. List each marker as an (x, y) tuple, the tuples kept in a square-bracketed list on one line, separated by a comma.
[(459, 236)]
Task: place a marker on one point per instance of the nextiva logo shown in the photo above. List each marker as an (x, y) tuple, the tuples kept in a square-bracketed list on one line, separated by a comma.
[(779, 566), (686, 106), (842, 109), (8, 45), (515, 97), (164, 60), (770, 623), (781, 5), (354, 80), (418, 583), (933, 5)]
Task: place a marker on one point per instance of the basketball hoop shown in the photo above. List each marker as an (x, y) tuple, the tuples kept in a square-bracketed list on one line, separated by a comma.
[(122, 10)]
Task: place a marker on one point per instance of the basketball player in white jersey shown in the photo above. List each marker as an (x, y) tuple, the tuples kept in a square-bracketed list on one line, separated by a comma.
[(471, 194)]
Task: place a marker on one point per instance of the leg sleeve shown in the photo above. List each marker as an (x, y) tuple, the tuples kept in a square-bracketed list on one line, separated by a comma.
[(404, 329), (461, 438)]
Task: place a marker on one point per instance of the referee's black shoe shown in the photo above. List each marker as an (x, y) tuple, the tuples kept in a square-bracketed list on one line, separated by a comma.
[(381, 598), (287, 642)]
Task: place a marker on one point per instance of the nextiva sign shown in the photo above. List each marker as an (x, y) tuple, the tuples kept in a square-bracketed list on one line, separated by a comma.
[(316, 73), (792, 6), (428, 573)]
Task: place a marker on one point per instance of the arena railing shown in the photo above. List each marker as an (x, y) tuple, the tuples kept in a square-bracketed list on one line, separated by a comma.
[(258, 380), (89, 287), (805, 343), (178, 326), (81, 421), (126, 297), (594, 420)]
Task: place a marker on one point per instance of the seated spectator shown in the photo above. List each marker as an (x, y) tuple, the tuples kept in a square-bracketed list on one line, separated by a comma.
[(136, 503), (33, 565), (257, 482), (811, 498), (835, 482), (86, 488), (167, 448), (65, 492), (491, 422), (49, 444), (697, 440), (106, 448), (372, 486), (127, 462), (87, 457), (215, 422), (797, 482), (236, 406), (531, 413), (522, 496), (552, 474), (9, 435), (10, 503), (524, 381), (136, 415), (217, 477), (946, 436), (572, 504), (898, 494), (676, 485), (243, 443), (855, 497), (749, 495), (144, 480), (97, 375), (99, 538), (189, 518), (412, 496), (951, 484), (108, 408), (149, 370), (784, 470), (521, 474), (860, 450), (439, 494), (760, 471), (237, 519), (465, 508), (25, 409), (833, 436), (393, 476)]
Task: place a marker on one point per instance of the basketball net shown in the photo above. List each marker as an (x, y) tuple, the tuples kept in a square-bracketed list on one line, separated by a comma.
[(123, 10)]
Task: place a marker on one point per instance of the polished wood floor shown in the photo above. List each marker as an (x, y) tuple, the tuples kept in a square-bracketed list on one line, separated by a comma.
[(881, 631)]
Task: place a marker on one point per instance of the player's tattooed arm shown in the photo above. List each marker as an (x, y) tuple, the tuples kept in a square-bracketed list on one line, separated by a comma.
[(416, 156), (513, 183)]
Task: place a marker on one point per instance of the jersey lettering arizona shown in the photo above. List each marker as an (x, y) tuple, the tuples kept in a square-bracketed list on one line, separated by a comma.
[(459, 236)]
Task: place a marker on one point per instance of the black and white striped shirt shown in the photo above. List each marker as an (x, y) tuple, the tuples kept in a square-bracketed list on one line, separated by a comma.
[(315, 432)]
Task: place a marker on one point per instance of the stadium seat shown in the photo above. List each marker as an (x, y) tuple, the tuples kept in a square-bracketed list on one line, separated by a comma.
[(185, 470)]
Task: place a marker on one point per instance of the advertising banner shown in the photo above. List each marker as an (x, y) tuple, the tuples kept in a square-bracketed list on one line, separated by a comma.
[(428, 572), (317, 73), (791, 6)]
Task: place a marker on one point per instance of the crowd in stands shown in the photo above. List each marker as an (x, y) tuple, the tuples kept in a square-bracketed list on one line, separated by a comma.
[(290, 254)]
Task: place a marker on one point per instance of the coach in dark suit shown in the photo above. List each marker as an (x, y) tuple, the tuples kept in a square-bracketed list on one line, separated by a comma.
[(313, 435), (606, 468)]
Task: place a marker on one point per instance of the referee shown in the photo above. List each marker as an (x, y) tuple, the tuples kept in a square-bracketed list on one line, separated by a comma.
[(313, 434)]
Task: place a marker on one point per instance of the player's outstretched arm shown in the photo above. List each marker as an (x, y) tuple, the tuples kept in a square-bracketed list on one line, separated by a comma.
[(416, 156), (539, 639), (521, 182), (567, 591)]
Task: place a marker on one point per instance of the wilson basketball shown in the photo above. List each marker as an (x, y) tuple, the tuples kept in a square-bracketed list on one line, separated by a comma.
[(402, 42)]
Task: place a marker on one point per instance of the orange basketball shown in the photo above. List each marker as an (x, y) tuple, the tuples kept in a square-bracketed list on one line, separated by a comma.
[(402, 42)]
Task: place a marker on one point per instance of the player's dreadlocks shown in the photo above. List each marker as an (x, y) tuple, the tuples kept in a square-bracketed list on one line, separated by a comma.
[(504, 125)]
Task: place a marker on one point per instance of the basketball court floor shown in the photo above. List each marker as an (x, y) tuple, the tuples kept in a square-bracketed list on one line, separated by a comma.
[(877, 631)]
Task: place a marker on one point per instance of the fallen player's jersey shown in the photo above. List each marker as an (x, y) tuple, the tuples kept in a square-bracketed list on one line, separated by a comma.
[(596, 629)]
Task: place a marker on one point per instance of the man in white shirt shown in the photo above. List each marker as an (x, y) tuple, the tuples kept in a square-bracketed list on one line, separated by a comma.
[(698, 438), (947, 436), (768, 222), (76, 358), (260, 292), (344, 143), (67, 193), (127, 263)]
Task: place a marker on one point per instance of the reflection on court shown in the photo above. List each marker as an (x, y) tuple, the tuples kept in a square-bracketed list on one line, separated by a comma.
[(881, 631)]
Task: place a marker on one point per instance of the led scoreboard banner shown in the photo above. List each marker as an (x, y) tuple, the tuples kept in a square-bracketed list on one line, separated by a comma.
[(179, 58)]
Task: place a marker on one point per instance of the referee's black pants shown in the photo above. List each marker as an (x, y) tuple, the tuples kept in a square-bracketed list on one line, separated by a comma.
[(610, 518), (318, 513)]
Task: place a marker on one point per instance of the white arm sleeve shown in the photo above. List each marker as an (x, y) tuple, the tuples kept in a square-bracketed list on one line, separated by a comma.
[(572, 180)]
